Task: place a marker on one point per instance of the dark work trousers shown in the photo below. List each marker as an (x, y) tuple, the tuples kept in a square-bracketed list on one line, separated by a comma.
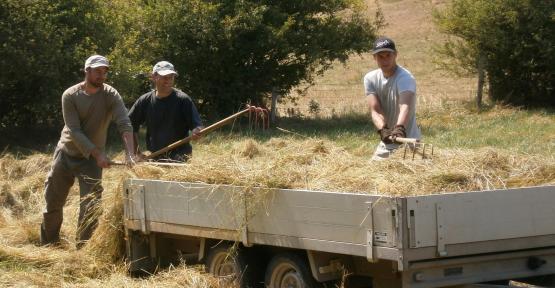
[(61, 177)]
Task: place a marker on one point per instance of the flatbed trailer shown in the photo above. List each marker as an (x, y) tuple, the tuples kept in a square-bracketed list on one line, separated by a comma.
[(302, 238)]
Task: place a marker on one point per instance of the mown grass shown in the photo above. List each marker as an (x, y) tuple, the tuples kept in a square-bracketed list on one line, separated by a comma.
[(454, 125)]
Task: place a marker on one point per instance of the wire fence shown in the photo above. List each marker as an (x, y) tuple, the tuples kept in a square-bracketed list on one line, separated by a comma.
[(334, 100)]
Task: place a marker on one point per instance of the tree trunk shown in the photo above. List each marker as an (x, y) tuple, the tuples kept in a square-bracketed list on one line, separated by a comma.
[(481, 76), (275, 97)]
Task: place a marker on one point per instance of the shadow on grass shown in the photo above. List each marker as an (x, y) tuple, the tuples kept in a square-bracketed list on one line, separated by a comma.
[(29, 140), (351, 126), (296, 127)]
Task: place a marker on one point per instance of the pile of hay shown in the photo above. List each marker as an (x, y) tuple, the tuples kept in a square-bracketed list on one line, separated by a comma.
[(277, 163), (322, 165)]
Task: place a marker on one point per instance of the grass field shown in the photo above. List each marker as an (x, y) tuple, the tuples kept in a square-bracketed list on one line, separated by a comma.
[(409, 24), (342, 133)]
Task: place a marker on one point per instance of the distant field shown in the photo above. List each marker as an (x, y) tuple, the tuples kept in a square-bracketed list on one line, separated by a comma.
[(340, 89)]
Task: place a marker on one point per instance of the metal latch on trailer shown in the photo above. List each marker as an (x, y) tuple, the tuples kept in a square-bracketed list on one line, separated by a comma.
[(136, 206), (368, 222)]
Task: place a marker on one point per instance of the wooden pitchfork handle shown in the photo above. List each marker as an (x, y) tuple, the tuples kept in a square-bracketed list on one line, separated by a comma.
[(118, 163), (407, 140), (202, 132)]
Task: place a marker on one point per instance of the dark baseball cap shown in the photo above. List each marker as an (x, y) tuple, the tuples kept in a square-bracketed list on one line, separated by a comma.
[(383, 44)]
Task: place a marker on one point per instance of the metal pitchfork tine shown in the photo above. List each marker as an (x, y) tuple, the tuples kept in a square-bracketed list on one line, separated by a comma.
[(415, 143)]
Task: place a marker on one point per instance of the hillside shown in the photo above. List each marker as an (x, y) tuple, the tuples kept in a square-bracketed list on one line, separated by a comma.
[(409, 24)]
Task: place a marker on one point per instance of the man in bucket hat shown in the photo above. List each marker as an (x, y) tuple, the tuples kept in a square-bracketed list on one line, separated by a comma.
[(88, 108), (391, 93), (168, 114)]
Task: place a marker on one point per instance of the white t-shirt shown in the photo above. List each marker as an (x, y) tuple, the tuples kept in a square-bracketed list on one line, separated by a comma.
[(388, 90)]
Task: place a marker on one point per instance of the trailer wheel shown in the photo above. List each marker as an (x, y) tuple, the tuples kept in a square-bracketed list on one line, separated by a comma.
[(138, 254), (229, 265), (289, 270)]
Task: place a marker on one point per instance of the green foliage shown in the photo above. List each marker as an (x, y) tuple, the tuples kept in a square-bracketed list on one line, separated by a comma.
[(132, 53), (233, 52), (227, 52), (313, 107), (44, 45), (515, 40)]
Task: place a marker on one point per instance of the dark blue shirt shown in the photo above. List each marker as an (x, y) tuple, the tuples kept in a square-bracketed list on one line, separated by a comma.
[(167, 120)]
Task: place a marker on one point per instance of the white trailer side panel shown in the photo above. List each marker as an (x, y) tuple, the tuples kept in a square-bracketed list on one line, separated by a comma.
[(206, 206), (469, 217), (314, 215)]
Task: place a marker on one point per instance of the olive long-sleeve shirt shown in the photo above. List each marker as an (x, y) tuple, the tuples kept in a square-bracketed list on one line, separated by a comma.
[(87, 118)]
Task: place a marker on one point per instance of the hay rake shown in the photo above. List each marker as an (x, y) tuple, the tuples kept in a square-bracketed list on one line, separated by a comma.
[(259, 118), (415, 145)]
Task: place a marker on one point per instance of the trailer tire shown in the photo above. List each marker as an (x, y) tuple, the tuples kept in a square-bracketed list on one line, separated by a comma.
[(289, 269), (138, 254), (233, 266)]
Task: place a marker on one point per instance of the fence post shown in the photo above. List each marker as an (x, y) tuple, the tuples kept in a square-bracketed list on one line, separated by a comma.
[(481, 76), (275, 97)]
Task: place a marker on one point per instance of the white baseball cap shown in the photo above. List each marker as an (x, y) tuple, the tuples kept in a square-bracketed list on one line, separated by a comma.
[(164, 68), (96, 61)]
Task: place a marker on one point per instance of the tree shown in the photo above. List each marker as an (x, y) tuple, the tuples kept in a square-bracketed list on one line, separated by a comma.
[(514, 40), (230, 52), (132, 52), (44, 45)]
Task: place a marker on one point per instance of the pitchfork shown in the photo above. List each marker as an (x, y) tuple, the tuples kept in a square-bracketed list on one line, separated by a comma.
[(259, 112), (414, 144), (256, 112)]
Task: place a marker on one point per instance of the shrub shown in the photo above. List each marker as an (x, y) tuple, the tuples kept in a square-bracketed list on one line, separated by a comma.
[(233, 52), (514, 39)]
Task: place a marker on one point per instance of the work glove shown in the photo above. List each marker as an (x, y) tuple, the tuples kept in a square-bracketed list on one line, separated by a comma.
[(398, 131), (385, 134)]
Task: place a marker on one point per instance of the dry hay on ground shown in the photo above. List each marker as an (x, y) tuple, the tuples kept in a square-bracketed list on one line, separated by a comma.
[(277, 163), (24, 264)]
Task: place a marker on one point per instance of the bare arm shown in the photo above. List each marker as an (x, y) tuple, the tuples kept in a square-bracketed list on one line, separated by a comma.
[(136, 148), (129, 142), (376, 112), (405, 100)]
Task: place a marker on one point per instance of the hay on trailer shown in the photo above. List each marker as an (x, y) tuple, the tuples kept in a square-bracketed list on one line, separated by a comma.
[(322, 165)]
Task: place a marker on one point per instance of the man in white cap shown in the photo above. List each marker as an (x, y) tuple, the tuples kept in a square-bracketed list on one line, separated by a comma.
[(168, 114), (88, 108), (391, 93)]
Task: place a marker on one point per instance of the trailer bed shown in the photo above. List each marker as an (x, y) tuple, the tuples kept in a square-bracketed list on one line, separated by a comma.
[(400, 229)]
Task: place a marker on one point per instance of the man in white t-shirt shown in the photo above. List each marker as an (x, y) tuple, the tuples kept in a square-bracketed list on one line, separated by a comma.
[(391, 93)]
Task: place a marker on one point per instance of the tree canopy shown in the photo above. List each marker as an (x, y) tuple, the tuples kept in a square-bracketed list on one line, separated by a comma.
[(227, 52), (232, 52), (44, 44), (513, 40)]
